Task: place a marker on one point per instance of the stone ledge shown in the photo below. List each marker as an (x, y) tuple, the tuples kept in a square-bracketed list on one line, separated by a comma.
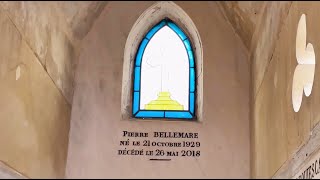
[(298, 159), (7, 172)]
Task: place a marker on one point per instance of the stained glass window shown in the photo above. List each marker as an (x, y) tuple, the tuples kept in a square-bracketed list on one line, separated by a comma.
[(164, 74)]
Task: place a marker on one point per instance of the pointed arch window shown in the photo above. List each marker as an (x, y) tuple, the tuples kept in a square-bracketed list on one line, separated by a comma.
[(164, 83)]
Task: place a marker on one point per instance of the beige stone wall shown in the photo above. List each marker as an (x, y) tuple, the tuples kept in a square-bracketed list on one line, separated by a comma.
[(39, 49), (54, 31), (34, 114), (96, 123), (277, 131), (245, 17)]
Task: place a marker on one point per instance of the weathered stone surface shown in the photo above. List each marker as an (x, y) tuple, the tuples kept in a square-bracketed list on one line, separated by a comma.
[(60, 63), (304, 153), (31, 19), (81, 15), (244, 16), (264, 39), (36, 22), (269, 114), (34, 116), (54, 31), (279, 132)]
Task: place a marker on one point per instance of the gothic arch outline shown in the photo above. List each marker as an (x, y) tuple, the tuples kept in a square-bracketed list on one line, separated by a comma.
[(149, 18)]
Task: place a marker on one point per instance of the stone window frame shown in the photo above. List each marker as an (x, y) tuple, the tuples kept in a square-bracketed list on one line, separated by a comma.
[(144, 23)]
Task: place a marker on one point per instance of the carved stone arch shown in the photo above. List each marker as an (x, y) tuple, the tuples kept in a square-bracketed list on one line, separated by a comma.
[(144, 23)]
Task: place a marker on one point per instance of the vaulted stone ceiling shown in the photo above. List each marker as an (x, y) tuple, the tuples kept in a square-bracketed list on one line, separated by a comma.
[(258, 24), (80, 15), (54, 31), (244, 16)]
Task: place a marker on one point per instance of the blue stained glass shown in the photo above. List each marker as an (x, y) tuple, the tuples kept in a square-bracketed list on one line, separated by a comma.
[(187, 44), (191, 102), (155, 29), (140, 51), (177, 114), (176, 29), (191, 59), (151, 114), (137, 79), (136, 97), (192, 80)]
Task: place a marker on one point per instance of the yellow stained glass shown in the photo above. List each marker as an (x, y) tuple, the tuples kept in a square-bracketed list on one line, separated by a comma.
[(164, 102)]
